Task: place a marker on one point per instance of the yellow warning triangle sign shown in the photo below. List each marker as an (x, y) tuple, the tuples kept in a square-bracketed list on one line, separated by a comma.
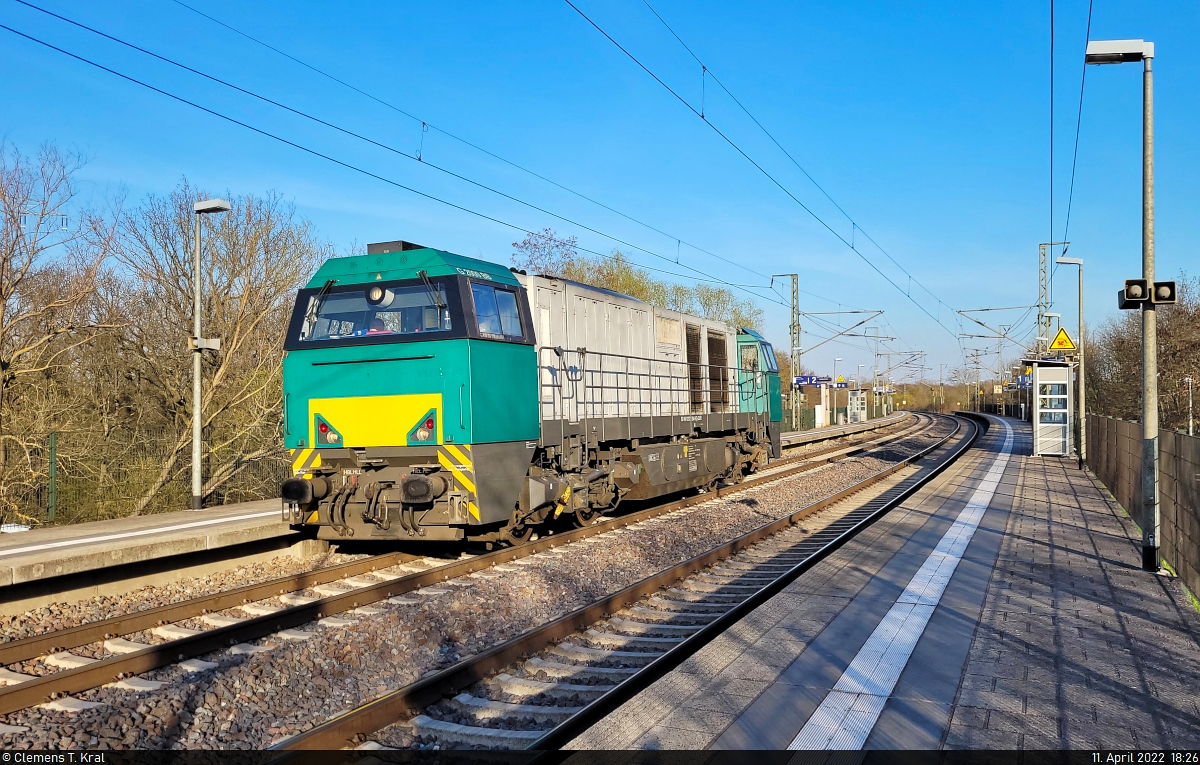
[(1062, 342)]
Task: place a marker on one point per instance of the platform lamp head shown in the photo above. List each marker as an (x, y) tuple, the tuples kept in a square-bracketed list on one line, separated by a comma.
[(1117, 51)]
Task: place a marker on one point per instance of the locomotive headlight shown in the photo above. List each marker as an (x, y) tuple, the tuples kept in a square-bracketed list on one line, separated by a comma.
[(424, 430), (379, 296)]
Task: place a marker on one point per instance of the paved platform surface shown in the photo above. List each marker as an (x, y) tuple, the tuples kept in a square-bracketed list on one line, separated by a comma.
[(1045, 634), (39, 554)]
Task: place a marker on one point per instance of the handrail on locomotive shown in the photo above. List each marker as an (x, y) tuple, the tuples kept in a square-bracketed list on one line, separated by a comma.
[(654, 387)]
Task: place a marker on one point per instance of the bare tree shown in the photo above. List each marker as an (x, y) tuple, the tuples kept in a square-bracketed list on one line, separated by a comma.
[(545, 254), (1115, 359), (255, 258), (51, 255)]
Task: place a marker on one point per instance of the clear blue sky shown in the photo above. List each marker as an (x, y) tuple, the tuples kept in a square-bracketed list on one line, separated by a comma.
[(927, 122)]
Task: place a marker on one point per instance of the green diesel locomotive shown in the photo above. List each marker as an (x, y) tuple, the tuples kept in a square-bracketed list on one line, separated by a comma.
[(429, 396)]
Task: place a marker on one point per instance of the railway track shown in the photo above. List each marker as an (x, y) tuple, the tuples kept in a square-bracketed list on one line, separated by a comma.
[(364, 582), (546, 686)]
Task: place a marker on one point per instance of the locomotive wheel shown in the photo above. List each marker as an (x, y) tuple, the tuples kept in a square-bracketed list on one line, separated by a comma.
[(519, 535), (516, 533), (589, 517)]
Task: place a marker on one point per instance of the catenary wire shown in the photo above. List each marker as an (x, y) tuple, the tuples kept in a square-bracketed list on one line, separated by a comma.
[(854, 224), (699, 274), (1051, 239), (319, 154), (1078, 122), (759, 167), (464, 141), (711, 280)]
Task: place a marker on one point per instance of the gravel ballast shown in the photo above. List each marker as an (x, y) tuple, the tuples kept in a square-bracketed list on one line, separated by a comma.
[(59, 616), (250, 701)]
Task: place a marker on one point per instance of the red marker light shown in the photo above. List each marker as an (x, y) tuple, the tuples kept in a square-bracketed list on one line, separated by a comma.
[(323, 428), (429, 424)]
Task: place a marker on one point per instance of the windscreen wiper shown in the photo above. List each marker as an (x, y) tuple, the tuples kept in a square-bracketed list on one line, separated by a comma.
[(314, 305), (436, 295)]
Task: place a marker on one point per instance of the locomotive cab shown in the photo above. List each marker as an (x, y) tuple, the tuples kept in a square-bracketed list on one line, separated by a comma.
[(408, 379)]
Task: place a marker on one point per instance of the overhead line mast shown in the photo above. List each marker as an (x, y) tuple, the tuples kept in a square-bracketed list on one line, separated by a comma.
[(794, 352), (1043, 321)]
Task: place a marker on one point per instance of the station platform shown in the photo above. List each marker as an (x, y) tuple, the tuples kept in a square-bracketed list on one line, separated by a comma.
[(801, 437), (1001, 607), (37, 556)]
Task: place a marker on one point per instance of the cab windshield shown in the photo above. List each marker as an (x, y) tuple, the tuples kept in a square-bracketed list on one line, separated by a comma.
[(376, 310)]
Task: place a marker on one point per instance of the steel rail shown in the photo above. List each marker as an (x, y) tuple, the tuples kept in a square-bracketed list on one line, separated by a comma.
[(569, 729), (31, 692), (839, 431), (343, 728), (24, 649), (841, 451), (864, 435)]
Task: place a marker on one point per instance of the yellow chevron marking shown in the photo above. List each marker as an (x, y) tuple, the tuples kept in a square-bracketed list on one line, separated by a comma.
[(312, 518), (298, 463), (471, 508), (316, 463), (459, 474), (463, 459)]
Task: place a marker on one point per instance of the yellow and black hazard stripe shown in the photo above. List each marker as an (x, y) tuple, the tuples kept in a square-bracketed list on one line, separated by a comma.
[(456, 460), (304, 460)]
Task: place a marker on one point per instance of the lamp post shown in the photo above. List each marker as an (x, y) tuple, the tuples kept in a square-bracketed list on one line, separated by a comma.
[(198, 344), (1081, 410), (1017, 396), (1132, 51), (1050, 316), (941, 387), (835, 390), (1191, 426), (858, 387)]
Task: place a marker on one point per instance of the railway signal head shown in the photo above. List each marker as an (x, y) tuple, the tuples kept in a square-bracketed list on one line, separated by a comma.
[(1163, 293), (1136, 292)]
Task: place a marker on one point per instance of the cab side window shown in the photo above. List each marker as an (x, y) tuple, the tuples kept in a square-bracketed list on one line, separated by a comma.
[(750, 358), (497, 311)]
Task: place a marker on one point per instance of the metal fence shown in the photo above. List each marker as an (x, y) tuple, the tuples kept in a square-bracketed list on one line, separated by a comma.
[(1114, 449), (72, 481)]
